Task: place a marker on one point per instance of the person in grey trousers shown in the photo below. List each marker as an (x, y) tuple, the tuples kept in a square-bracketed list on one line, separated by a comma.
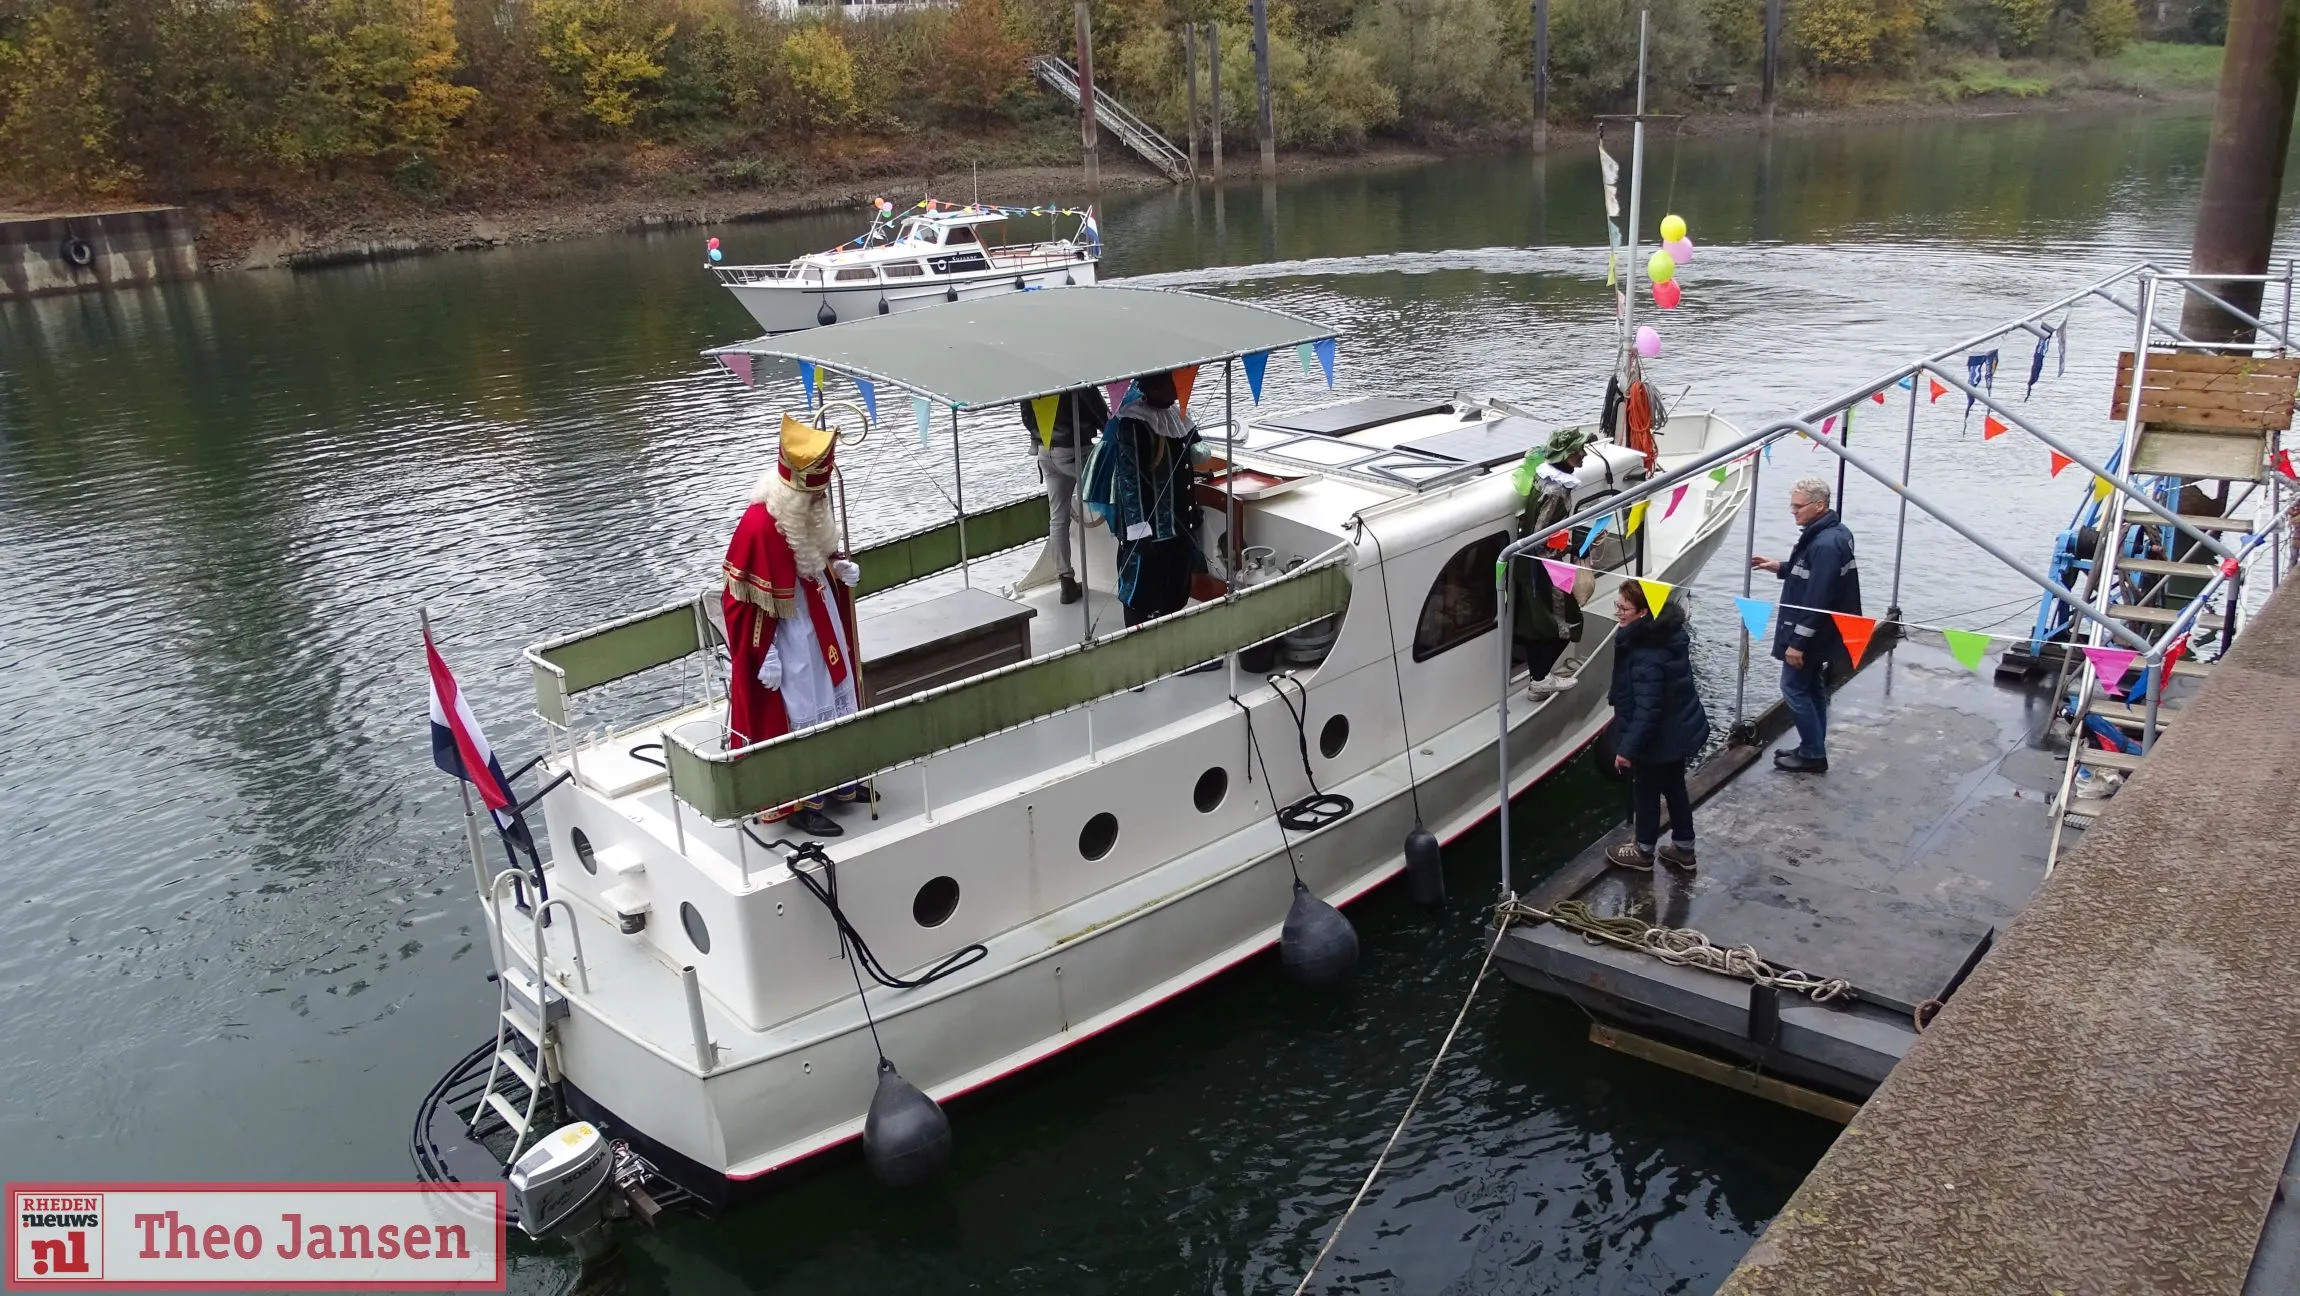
[(1078, 418)]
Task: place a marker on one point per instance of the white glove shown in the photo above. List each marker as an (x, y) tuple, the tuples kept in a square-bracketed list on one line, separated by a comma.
[(846, 571), (771, 670)]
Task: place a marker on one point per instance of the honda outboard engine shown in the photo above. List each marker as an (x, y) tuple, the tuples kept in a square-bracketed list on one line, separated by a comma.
[(562, 1185)]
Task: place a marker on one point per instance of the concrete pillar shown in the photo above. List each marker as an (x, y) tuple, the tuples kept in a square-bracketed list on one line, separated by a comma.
[(1086, 134), (2244, 167)]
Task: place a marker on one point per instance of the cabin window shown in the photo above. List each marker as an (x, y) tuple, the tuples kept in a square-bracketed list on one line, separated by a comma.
[(1334, 737), (1213, 786), (1098, 836), (1460, 606), (692, 919), (905, 270), (813, 274), (854, 273), (935, 902), (583, 855), (963, 234)]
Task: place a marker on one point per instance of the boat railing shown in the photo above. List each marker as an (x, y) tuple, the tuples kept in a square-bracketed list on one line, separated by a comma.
[(537, 923), (568, 666), (723, 786), (1017, 257)]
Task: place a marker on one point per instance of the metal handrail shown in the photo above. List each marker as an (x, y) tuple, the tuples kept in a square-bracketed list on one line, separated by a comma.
[(495, 891)]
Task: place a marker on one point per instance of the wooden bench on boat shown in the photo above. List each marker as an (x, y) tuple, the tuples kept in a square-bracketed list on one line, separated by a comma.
[(940, 641)]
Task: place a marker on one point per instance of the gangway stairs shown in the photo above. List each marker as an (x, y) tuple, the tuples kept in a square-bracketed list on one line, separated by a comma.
[(2205, 428), (1154, 148)]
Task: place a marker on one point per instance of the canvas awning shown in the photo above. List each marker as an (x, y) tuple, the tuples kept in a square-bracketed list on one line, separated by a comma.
[(1016, 346)]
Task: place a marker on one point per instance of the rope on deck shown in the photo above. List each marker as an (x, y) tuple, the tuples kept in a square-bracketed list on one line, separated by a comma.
[(1680, 947), (1501, 924)]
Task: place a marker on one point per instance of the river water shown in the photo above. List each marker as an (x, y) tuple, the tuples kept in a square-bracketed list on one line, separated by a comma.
[(238, 942)]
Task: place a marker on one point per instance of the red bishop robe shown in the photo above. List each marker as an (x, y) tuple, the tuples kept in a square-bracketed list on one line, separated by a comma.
[(762, 585)]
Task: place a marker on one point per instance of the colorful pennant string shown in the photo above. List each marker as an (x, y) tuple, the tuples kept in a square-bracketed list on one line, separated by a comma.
[(1756, 615), (1938, 391), (923, 410), (869, 392), (1676, 497), (1042, 415), (1116, 391), (1993, 427), (1326, 350), (2109, 664), (1307, 357), (1185, 382), (1636, 519), (1596, 529), (1255, 365), (809, 380), (2060, 461), (1717, 475), (1656, 594), (739, 365), (1966, 646), (1855, 631), (1561, 574)]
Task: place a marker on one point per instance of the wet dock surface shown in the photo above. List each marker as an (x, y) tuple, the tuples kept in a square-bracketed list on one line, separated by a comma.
[(2109, 1102), (1892, 871)]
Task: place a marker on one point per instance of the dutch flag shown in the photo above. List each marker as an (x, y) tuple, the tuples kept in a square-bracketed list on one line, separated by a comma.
[(460, 748), (1091, 232)]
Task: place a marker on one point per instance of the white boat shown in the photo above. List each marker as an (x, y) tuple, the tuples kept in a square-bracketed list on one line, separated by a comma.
[(1105, 824), (938, 252)]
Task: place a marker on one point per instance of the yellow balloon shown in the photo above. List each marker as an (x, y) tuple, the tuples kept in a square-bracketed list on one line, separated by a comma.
[(1661, 267), (1672, 228)]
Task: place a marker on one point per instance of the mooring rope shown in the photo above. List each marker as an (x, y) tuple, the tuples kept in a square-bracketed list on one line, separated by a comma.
[(1681, 947), (1501, 924)]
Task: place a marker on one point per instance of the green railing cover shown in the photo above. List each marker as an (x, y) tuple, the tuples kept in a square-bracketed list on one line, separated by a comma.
[(723, 786), (923, 553), (605, 655)]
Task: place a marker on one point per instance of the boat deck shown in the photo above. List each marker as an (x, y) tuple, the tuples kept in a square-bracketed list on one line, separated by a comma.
[(1892, 871)]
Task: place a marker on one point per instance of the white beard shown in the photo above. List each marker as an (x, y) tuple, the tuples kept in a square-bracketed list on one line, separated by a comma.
[(804, 518)]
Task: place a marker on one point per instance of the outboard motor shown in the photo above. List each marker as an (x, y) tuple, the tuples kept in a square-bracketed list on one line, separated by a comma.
[(562, 1186)]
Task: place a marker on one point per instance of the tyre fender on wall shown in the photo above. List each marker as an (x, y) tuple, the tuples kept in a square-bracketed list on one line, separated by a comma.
[(77, 253)]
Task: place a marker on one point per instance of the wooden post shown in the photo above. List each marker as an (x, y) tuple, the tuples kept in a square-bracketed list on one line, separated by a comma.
[(1214, 75), (1190, 61), (1772, 56), (1086, 135), (2244, 165), (1266, 126), (1540, 76)]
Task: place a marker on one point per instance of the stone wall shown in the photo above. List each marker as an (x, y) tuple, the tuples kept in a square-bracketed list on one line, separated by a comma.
[(66, 253)]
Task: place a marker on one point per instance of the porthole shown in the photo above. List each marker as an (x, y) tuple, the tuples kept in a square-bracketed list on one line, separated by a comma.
[(935, 902), (1213, 785), (583, 853), (692, 920), (1334, 737), (1098, 836)]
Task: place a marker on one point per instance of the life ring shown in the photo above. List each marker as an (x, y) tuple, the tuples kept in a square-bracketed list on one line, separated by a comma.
[(77, 253)]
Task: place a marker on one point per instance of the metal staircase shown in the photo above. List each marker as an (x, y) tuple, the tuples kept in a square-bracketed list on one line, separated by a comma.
[(1151, 146), (521, 1088), (2202, 431)]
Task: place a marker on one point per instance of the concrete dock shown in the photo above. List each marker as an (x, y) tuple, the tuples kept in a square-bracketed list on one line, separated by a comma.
[(1892, 872), (2109, 1102), (44, 252)]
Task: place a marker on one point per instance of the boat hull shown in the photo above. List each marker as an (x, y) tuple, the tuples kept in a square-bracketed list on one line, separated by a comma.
[(786, 306), (1185, 925)]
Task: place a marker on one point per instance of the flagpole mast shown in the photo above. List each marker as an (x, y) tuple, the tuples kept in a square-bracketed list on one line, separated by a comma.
[(1636, 197), (470, 821)]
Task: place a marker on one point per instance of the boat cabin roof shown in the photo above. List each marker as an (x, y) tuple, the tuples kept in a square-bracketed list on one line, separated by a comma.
[(1013, 347)]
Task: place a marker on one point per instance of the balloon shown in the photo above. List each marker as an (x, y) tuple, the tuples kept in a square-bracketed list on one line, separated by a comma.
[(1672, 228), (712, 244), (1661, 267), (1667, 295), (1648, 341), (716, 254), (1680, 250)]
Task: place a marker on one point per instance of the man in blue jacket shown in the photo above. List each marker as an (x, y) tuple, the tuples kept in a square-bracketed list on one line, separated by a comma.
[(1817, 578)]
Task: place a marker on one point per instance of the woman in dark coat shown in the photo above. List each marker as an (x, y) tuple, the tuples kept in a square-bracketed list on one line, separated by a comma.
[(1658, 725)]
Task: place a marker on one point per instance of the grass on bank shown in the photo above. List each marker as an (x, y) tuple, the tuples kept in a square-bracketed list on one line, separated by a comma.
[(2147, 68)]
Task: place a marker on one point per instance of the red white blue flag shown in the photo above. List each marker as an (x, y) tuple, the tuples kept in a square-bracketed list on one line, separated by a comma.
[(460, 748)]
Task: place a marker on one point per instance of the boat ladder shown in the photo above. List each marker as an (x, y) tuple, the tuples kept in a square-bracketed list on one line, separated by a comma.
[(1151, 146), (522, 1080), (2199, 420)]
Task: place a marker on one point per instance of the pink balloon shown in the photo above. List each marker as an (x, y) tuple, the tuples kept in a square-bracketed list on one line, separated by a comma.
[(1680, 251), (1648, 341), (712, 244), (1667, 295)]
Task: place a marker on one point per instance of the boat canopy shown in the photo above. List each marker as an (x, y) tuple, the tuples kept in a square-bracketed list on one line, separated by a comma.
[(1017, 346)]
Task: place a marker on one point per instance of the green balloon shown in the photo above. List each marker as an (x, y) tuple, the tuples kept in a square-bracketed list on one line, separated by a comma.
[(1661, 267)]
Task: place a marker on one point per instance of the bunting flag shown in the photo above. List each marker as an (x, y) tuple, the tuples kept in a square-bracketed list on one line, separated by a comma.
[(1938, 391), (1966, 646), (1042, 416), (2061, 336), (1981, 372), (1561, 541), (2101, 486), (808, 379), (2284, 464), (739, 365), (1255, 365), (1116, 391), (2036, 362), (1756, 615), (1326, 350), (1304, 354), (1656, 594), (1828, 425), (1718, 474), (1676, 497), (1877, 396), (1185, 382), (1595, 531), (1561, 574), (1768, 452), (869, 392), (2109, 664), (1855, 630), (2060, 461), (1908, 383), (1993, 427), (2173, 654), (923, 409), (1636, 518), (1612, 270)]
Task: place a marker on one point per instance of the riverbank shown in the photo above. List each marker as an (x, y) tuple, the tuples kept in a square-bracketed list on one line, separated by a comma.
[(538, 200)]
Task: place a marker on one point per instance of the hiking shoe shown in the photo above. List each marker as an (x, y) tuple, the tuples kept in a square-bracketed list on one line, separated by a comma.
[(1629, 855), (1796, 764), (1549, 685), (1071, 593), (1676, 856)]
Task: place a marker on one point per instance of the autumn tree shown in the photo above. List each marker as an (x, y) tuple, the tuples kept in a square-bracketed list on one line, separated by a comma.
[(980, 61)]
